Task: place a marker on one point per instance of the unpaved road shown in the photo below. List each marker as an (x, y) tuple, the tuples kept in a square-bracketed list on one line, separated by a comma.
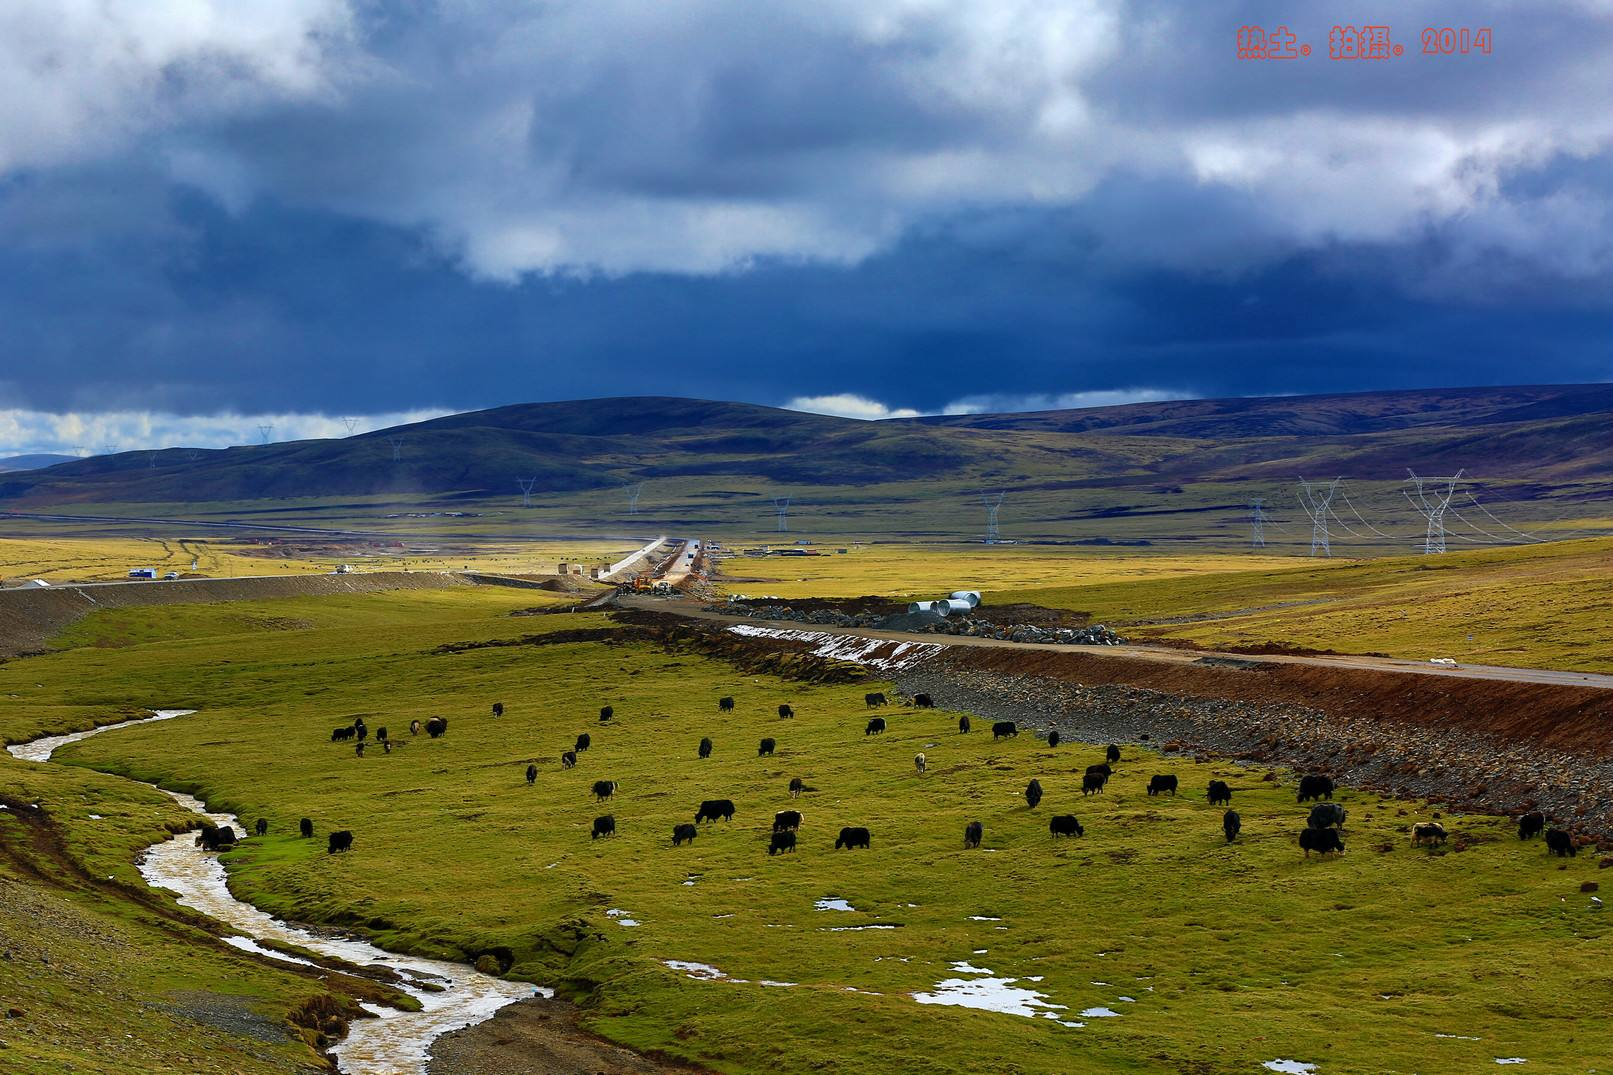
[(1166, 654)]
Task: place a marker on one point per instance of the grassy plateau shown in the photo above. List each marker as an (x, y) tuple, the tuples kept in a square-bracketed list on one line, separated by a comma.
[(1214, 957)]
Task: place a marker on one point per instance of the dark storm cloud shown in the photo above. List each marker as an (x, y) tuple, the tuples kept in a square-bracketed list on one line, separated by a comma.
[(332, 206)]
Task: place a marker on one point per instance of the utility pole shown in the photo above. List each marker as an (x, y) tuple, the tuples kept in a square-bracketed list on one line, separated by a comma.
[(1257, 523), (632, 497), (351, 424), (397, 448), (266, 432), (1432, 504), (781, 505), (1318, 504), (526, 485)]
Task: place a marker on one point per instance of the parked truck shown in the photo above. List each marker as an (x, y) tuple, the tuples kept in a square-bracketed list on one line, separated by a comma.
[(143, 573)]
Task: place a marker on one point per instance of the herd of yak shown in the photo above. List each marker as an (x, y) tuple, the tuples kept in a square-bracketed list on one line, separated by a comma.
[(1321, 833)]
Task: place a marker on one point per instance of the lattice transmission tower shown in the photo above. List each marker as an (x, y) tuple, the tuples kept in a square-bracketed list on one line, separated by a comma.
[(993, 504), (1317, 501), (1433, 503)]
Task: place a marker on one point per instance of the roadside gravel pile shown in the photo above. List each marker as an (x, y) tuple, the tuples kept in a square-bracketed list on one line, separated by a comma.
[(1413, 760), (1095, 635)]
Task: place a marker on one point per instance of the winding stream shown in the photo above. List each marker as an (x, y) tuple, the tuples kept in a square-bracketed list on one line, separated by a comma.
[(451, 995)]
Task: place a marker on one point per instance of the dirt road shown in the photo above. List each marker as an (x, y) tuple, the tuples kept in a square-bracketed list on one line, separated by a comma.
[(1165, 654)]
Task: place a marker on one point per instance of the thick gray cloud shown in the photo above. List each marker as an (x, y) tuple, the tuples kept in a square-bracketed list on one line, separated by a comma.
[(873, 206), (617, 136)]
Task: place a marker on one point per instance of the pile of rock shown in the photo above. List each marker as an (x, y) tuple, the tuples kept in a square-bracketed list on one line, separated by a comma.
[(1095, 635), (823, 617)]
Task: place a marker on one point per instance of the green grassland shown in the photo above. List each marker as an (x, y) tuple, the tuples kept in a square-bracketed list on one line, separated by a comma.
[(1542, 606), (1232, 955)]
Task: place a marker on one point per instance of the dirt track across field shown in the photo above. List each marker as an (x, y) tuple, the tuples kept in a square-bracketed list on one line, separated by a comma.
[(29, 618)]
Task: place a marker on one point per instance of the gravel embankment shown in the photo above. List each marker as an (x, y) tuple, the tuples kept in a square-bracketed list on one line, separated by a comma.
[(1414, 760)]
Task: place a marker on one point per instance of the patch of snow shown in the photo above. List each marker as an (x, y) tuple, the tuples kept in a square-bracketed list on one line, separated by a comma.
[(1288, 1067), (1100, 1013), (983, 918), (989, 993), (851, 929), (1510, 1060), (833, 903)]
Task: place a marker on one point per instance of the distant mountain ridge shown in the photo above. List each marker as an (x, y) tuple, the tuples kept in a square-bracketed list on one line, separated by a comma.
[(33, 461), (1552, 433)]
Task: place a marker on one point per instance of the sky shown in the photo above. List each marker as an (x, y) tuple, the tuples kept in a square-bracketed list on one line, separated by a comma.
[(219, 216)]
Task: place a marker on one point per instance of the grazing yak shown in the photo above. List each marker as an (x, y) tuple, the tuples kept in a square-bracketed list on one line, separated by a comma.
[(918, 762), (877, 698), (785, 712), (262, 827), (436, 726), (705, 747), (386, 746), (531, 774), (360, 729), (874, 726), (1102, 769), (1033, 793), (340, 841), (1429, 832), (786, 819), (606, 712), (414, 727), (380, 733), (852, 837), (781, 841), (358, 748), (683, 833), (306, 826), (725, 705), (1322, 841), (604, 825), (1158, 785), (604, 789), (1531, 824), (1324, 815), (1004, 728), (1112, 755), (972, 833), (1560, 843), (1220, 793), (338, 735), (1052, 739), (1315, 786), (712, 809), (215, 837), (584, 741), (765, 748), (1092, 783), (797, 786), (568, 759), (1064, 825), (923, 701), (963, 724), (498, 709), (1231, 824)]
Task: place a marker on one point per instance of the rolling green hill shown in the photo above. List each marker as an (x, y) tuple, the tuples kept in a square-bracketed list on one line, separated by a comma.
[(1182, 470)]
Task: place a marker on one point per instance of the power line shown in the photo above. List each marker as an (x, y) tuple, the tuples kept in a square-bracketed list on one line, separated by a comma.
[(397, 448), (1257, 524), (265, 432), (351, 424), (526, 485), (632, 497), (781, 506)]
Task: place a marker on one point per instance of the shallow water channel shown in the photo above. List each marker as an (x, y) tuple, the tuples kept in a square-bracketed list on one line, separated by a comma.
[(451, 995)]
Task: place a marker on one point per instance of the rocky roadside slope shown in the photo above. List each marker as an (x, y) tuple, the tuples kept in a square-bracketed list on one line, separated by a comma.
[(1412, 759)]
